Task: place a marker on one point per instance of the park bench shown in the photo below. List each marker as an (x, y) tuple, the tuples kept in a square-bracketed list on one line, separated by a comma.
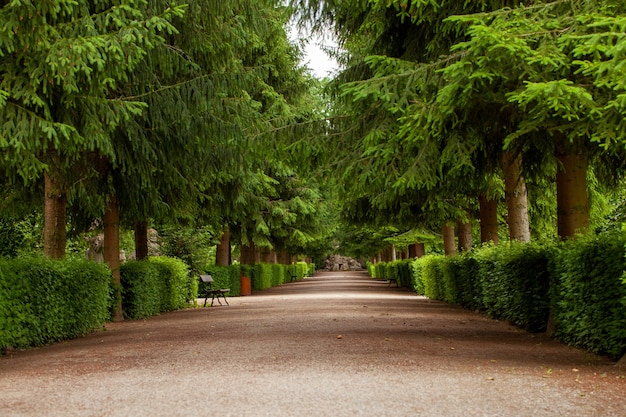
[(394, 280), (207, 291)]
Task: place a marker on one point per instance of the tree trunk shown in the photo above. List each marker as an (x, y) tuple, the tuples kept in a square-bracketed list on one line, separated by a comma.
[(112, 250), (392, 253), (55, 205), (141, 240), (465, 236), (420, 250), (222, 253), (248, 254), (516, 198), (449, 246), (283, 257), (268, 256), (488, 220), (571, 195)]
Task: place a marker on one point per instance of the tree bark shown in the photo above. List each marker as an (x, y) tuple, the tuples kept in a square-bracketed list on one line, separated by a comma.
[(420, 250), (571, 195), (488, 220), (392, 253), (248, 252), (516, 197), (112, 250), (449, 246), (283, 257), (141, 240), (465, 236), (55, 222), (222, 253), (268, 256)]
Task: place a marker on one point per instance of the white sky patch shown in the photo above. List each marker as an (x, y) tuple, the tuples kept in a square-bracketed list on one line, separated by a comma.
[(315, 57)]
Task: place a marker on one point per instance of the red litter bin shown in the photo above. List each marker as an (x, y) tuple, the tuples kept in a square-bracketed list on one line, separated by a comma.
[(246, 285)]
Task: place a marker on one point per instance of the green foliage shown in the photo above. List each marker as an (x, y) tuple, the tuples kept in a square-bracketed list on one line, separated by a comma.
[(180, 287), (262, 276), (266, 276), (193, 245), (143, 289), (42, 301), (508, 283), (515, 284), (155, 286), (582, 281), (431, 276), (589, 293), (400, 270), (227, 277)]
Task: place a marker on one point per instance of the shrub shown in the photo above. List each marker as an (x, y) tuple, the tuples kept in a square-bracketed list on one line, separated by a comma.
[(515, 284), (590, 294), (227, 277), (143, 289), (180, 288), (262, 277), (155, 286), (42, 300)]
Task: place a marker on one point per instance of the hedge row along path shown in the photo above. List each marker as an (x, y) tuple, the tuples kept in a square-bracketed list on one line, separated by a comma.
[(337, 344)]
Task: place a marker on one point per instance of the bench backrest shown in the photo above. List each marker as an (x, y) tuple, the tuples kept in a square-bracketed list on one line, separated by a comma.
[(206, 278)]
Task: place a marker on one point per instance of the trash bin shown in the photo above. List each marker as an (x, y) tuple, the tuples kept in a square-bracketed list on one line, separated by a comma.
[(246, 285)]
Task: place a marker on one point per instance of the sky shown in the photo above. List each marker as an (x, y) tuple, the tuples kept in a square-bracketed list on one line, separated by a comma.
[(315, 58)]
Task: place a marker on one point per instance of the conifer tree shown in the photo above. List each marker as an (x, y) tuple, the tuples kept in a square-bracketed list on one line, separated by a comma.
[(60, 63)]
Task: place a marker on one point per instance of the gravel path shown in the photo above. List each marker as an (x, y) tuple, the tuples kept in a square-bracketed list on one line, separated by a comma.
[(337, 344)]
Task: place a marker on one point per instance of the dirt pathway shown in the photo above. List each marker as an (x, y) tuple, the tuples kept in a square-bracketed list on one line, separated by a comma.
[(338, 344)]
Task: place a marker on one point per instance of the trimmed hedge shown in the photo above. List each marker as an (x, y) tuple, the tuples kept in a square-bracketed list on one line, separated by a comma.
[(155, 286), (582, 281), (589, 294), (266, 276), (401, 270), (43, 301), (226, 277)]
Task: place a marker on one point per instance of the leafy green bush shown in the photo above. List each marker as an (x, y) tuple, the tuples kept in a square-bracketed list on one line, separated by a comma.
[(590, 293), (262, 277), (180, 288), (278, 274), (226, 277), (143, 289), (515, 282), (155, 286), (431, 276), (371, 269), (42, 301), (417, 270)]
